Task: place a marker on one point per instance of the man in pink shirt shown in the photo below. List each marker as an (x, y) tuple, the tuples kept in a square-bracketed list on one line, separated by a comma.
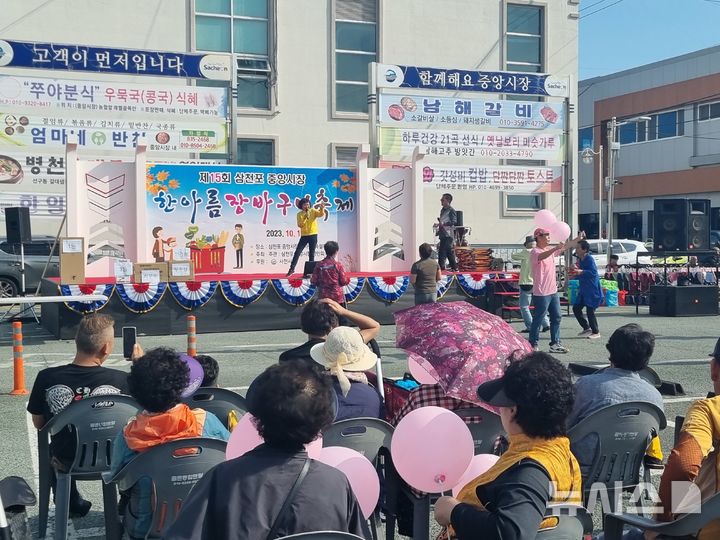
[(545, 293)]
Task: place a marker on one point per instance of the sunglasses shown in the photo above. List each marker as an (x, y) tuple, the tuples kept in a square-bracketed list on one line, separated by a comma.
[(544, 234)]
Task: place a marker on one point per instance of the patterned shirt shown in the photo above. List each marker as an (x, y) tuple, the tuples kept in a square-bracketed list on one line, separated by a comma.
[(427, 395), (329, 276)]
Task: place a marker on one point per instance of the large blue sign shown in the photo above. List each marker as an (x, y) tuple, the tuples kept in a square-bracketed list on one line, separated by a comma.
[(24, 54), (500, 82)]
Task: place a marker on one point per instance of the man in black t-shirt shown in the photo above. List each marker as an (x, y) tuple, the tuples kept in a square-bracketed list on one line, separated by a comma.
[(57, 387)]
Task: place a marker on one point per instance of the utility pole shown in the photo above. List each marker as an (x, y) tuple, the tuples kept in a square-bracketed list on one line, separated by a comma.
[(601, 189), (614, 149)]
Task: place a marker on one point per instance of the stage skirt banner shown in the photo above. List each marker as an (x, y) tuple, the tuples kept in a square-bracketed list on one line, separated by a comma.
[(140, 297), (294, 291), (472, 284), (443, 285), (513, 178), (89, 306), (193, 294), (246, 218), (243, 292), (388, 288), (353, 289)]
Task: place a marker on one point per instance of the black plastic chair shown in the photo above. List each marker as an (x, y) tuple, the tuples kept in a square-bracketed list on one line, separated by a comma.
[(686, 525), (322, 535), (96, 421), (485, 432), (219, 401), (174, 469), (565, 522), (679, 421), (623, 432), (15, 496)]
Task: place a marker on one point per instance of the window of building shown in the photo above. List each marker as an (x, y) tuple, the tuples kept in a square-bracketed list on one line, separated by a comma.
[(256, 152), (355, 46), (524, 43), (344, 156), (522, 204), (660, 126), (585, 137), (241, 27), (709, 111)]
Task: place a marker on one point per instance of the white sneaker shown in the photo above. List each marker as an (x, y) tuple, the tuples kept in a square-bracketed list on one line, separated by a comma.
[(586, 332), (594, 336), (557, 348)]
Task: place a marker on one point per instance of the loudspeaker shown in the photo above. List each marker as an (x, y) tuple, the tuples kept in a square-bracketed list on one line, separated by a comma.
[(459, 218), (309, 268), (691, 300), (17, 225), (681, 224)]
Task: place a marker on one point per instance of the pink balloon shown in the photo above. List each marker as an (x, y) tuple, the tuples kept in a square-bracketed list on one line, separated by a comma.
[(479, 464), (418, 370), (560, 231), (245, 437), (361, 474), (544, 218), (431, 449)]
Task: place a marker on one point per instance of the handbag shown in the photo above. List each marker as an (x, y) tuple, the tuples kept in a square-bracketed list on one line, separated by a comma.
[(289, 499)]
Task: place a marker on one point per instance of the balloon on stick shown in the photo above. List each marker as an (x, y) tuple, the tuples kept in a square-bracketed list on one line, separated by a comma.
[(479, 464), (245, 437), (419, 371), (361, 474)]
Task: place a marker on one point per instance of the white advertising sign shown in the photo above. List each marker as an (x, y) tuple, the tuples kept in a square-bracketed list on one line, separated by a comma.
[(493, 178)]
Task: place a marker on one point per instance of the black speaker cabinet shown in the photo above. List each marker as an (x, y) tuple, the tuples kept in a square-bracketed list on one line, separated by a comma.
[(17, 225), (681, 224), (459, 218), (688, 301)]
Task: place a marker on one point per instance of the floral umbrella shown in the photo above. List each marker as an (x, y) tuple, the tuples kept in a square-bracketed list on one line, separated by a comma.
[(461, 344)]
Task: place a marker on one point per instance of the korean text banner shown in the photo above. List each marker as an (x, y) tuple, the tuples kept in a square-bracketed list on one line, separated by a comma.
[(477, 113), (472, 144), (244, 219), (493, 178), (117, 99), (500, 82), (26, 54)]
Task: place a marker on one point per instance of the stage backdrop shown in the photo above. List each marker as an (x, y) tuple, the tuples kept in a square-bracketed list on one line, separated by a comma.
[(214, 209)]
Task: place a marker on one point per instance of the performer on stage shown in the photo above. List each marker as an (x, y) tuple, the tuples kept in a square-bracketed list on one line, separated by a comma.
[(307, 221), (446, 230)]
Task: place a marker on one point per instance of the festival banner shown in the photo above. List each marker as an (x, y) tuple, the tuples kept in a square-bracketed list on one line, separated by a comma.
[(510, 178), (546, 146), (242, 219), (119, 100), (475, 113)]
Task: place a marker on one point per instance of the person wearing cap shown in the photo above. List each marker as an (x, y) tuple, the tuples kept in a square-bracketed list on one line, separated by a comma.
[(244, 497), (307, 221), (526, 285), (157, 382), (346, 355), (545, 291), (695, 458), (589, 294), (509, 500)]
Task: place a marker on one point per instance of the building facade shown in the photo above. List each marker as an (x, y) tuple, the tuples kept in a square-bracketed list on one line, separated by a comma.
[(669, 128), (302, 69)]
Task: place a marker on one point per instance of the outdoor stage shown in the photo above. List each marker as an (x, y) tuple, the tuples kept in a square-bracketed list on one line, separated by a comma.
[(240, 302)]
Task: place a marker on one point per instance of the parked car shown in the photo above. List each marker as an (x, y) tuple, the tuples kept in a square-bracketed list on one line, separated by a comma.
[(714, 239), (626, 250), (36, 255)]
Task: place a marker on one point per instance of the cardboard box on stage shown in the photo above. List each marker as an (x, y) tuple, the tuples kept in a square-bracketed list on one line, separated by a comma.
[(150, 272), (72, 260), (181, 271)]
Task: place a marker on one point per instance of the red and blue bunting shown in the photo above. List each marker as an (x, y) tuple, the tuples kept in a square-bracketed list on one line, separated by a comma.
[(89, 306), (444, 284), (353, 289), (140, 297), (472, 284), (389, 288), (243, 292), (294, 291), (193, 294)]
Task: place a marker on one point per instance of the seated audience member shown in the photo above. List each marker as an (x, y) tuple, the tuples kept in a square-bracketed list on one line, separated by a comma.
[(318, 318), (695, 457), (156, 381), (427, 395), (242, 498), (535, 396), (345, 355), (329, 275), (57, 387), (630, 349), (211, 369)]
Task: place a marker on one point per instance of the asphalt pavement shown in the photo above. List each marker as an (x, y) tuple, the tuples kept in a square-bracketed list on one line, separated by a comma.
[(681, 356)]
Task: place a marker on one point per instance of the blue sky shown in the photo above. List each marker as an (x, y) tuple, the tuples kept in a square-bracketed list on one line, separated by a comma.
[(621, 34)]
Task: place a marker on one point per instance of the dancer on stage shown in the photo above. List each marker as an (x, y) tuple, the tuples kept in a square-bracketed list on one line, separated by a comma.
[(446, 231), (307, 221)]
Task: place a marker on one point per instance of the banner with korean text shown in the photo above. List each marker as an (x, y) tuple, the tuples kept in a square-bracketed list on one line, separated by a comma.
[(245, 218), (511, 178)]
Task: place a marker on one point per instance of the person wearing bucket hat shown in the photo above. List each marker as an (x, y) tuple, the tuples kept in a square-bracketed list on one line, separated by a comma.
[(526, 285), (157, 381), (307, 222), (509, 500)]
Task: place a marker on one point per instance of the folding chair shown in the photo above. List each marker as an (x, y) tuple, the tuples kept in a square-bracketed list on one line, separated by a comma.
[(219, 401), (174, 469), (486, 431), (96, 421), (623, 433), (15, 496)]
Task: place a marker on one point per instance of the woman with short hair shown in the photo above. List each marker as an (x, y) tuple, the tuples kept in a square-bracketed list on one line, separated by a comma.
[(424, 275)]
